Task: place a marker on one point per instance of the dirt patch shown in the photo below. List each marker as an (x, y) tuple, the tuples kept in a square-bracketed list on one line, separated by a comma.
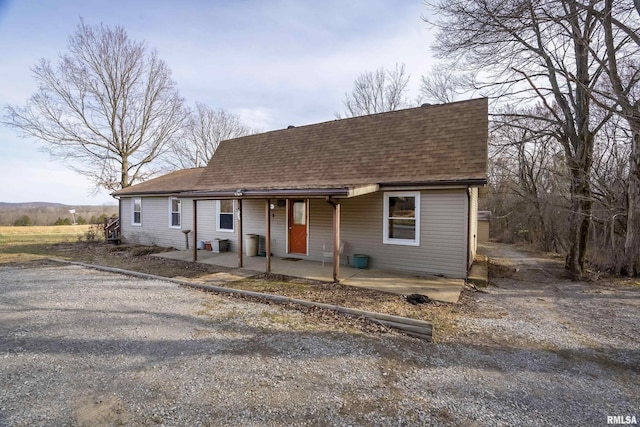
[(131, 257), (107, 410), (498, 271)]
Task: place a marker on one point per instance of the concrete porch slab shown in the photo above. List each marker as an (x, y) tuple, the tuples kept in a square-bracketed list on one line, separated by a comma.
[(436, 288)]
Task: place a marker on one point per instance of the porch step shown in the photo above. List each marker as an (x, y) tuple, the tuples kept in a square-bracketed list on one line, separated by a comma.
[(479, 273)]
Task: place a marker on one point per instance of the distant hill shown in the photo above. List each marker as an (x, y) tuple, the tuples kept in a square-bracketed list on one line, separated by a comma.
[(45, 213), (31, 205), (35, 205)]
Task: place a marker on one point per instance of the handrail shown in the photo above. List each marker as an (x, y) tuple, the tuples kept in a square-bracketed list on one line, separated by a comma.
[(112, 230)]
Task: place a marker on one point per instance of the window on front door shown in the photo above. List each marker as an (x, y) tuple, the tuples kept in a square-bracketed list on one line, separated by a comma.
[(298, 227)]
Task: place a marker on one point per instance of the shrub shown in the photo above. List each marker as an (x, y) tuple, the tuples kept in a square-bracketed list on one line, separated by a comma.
[(23, 221), (93, 233)]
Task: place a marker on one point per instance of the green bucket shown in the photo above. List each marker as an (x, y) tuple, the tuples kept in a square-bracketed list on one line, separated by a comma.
[(360, 261)]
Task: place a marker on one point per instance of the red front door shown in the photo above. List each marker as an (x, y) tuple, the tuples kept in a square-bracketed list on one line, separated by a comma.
[(298, 227)]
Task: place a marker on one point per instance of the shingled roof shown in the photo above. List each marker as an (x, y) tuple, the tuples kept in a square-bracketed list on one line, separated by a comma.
[(432, 144), (171, 183)]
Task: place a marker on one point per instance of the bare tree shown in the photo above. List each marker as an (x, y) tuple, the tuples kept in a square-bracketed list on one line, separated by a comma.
[(206, 128), (610, 185), (620, 62), (443, 84), (532, 51), (376, 92), (529, 182), (108, 108)]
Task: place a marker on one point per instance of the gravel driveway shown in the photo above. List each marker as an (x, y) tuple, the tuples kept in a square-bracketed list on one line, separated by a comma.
[(84, 347)]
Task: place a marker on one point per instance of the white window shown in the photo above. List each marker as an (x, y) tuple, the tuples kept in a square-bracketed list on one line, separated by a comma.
[(175, 211), (224, 218), (136, 211), (401, 218)]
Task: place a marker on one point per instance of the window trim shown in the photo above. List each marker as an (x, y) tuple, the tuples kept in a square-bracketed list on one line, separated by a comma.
[(171, 212), (233, 213), (133, 211), (385, 218)]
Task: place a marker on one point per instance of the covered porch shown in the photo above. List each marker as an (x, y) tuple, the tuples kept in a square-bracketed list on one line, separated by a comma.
[(296, 234), (436, 288)]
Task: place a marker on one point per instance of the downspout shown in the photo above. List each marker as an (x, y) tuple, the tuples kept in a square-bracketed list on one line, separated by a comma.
[(331, 201)]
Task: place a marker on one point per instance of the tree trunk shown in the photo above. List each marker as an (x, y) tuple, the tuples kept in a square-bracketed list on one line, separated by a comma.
[(632, 240), (579, 221), (124, 175)]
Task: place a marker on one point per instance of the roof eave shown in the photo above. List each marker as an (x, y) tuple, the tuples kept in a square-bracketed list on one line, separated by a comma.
[(267, 193), (468, 182), (147, 193)]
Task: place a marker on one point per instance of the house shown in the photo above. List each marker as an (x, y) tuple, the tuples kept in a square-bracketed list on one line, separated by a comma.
[(400, 187)]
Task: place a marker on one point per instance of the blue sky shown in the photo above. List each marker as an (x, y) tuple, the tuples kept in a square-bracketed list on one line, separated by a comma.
[(275, 63)]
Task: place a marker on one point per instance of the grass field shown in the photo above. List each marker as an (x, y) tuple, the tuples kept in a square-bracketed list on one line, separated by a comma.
[(19, 244)]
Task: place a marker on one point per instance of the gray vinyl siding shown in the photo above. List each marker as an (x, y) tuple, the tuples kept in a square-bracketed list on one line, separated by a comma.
[(443, 234), (207, 212), (321, 229), (154, 228), (443, 230), (253, 214)]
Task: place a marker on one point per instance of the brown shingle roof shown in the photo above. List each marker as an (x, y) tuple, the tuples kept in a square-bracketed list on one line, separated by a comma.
[(446, 142), (171, 183)]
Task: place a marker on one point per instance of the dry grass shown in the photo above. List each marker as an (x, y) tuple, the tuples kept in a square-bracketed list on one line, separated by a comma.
[(23, 244), (46, 234)]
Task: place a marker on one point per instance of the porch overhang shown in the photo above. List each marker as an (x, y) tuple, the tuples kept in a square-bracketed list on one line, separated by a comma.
[(435, 184), (283, 193)]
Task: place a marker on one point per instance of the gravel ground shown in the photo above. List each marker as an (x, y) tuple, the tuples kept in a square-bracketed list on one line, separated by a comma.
[(84, 347)]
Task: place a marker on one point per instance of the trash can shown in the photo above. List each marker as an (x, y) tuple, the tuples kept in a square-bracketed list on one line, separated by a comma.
[(360, 261), (251, 244)]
